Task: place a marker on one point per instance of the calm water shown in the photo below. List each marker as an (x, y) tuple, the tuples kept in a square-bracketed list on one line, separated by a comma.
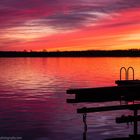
[(33, 97)]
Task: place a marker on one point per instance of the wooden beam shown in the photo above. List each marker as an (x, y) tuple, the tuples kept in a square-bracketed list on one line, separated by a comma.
[(103, 94), (108, 108), (109, 89), (127, 82), (127, 119), (131, 137), (93, 99)]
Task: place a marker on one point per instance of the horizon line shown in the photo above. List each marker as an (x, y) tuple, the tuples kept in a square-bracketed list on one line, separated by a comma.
[(27, 51)]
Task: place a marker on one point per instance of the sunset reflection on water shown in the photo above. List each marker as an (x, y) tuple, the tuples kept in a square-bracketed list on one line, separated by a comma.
[(33, 96)]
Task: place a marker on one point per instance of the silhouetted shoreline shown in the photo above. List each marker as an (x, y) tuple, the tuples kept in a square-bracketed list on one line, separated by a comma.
[(88, 53)]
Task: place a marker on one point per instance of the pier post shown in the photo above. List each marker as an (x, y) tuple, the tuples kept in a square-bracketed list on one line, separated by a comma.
[(135, 122), (85, 126)]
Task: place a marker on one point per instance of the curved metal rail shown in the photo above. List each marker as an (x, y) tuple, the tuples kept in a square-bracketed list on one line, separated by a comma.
[(121, 73), (126, 72)]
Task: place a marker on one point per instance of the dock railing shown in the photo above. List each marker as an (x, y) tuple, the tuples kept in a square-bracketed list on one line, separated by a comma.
[(126, 72)]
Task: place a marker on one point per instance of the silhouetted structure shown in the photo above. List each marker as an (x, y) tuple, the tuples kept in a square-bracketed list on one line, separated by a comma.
[(126, 90)]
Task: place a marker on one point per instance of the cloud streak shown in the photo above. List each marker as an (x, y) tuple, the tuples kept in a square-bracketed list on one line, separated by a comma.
[(59, 13)]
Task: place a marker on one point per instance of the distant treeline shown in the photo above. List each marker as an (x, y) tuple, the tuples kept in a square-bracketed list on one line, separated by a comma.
[(88, 53)]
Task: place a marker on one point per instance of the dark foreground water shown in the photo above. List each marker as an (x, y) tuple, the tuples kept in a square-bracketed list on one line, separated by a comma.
[(33, 98)]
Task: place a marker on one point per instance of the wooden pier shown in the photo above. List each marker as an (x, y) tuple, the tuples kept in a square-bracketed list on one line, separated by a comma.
[(125, 90), (128, 90), (105, 94)]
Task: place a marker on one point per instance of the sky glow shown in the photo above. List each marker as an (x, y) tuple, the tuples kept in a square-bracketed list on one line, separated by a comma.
[(69, 25)]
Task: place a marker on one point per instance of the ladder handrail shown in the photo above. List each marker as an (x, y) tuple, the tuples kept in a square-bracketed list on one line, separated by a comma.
[(121, 72), (128, 72)]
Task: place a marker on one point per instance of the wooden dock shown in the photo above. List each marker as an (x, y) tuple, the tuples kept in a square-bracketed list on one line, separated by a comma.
[(125, 90), (105, 94)]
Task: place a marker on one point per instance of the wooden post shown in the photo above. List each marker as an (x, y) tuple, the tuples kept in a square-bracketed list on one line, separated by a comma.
[(135, 122), (85, 126)]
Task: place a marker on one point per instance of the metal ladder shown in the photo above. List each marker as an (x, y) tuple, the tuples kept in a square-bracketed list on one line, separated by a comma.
[(126, 72)]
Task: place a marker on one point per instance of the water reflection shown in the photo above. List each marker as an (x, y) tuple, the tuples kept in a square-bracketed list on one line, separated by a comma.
[(33, 96)]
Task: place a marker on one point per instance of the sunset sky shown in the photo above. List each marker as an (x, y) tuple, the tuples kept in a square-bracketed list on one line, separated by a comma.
[(69, 24)]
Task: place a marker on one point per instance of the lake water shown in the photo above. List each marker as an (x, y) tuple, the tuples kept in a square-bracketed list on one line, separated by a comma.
[(33, 97)]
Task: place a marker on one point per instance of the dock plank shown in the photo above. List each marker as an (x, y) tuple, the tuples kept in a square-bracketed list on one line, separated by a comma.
[(127, 82), (108, 108), (104, 94), (104, 89)]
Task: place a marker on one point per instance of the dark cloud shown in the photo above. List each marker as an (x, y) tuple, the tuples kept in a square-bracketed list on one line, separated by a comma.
[(123, 5), (15, 12), (69, 20), (121, 24), (84, 13), (59, 13)]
